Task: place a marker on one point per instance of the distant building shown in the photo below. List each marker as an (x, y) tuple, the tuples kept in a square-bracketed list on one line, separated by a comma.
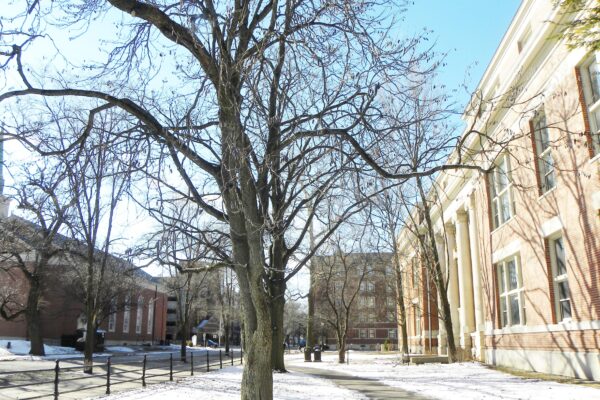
[(366, 279), (138, 317), (207, 321)]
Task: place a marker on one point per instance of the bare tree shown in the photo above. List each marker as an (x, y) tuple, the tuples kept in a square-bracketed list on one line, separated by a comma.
[(340, 278), (387, 214), (257, 97), (30, 248), (99, 173)]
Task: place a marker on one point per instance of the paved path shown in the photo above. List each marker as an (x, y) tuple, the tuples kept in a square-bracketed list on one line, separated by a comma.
[(371, 388)]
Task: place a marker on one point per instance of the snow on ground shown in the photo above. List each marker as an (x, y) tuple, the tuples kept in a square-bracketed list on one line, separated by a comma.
[(461, 381), (120, 349), (19, 348), (225, 385)]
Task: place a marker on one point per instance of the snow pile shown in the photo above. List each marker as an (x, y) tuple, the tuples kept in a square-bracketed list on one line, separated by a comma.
[(461, 381), (225, 385)]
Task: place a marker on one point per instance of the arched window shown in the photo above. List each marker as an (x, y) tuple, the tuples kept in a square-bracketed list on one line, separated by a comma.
[(126, 314)]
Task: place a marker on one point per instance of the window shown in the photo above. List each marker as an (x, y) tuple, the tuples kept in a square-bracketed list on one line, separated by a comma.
[(501, 191), (391, 316), (510, 292), (138, 315), (362, 318), (112, 318), (371, 333), (415, 273), (150, 316), (417, 321), (126, 315), (392, 333), (590, 76), (362, 333), (370, 301), (543, 149), (371, 318), (366, 286), (562, 294)]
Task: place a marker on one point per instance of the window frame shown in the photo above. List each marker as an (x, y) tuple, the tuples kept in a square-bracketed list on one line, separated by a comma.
[(592, 105), (372, 333), (126, 314), (558, 279), (139, 315), (497, 193), (505, 293), (543, 148), (150, 325), (112, 318)]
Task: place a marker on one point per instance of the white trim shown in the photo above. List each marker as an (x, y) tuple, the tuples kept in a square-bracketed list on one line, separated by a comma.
[(551, 226), (506, 251), (566, 326)]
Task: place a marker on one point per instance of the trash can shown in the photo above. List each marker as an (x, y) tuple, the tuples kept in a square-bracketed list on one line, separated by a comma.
[(317, 351)]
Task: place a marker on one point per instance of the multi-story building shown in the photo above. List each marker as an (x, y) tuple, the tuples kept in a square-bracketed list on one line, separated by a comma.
[(359, 285), (519, 239)]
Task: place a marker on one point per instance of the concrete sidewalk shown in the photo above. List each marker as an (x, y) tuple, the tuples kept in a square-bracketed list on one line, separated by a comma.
[(371, 388)]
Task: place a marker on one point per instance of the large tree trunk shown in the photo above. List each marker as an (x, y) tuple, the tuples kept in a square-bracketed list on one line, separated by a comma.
[(277, 306), (278, 287), (438, 275), (342, 350), (32, 316)]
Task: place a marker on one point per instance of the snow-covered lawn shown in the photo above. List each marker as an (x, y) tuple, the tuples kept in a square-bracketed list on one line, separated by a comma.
[(225, 385), (462, 381), (19, 350)]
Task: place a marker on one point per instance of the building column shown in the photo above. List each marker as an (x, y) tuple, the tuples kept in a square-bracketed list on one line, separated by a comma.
[(477, 292), (453, 294), (465, 280), (441, 338)]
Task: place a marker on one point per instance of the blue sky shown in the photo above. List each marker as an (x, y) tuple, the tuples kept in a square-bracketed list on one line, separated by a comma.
[(469, 30)]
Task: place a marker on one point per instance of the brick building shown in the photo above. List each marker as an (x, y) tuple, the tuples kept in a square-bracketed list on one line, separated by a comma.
[(520, 244), (363, 280), (139, 317)]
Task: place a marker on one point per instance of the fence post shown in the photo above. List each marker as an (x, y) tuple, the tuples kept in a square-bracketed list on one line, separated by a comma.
[(207, 362), (171, 367), (241, 356), (232, 356), (192, 362), (108, 376), (220, 359), (56, 369), (144, 372)]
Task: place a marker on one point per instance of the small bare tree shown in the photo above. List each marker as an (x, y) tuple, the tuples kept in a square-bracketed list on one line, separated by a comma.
[(29, 247), (339, 278)]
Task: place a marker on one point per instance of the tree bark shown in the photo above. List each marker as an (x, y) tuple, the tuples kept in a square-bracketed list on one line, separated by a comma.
[(32, 316), (342, 350), (277, 306), (183, 333)]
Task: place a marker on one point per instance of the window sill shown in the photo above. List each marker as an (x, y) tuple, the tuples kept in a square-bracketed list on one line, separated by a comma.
[(594, 159), (502, 224), (547, 193)]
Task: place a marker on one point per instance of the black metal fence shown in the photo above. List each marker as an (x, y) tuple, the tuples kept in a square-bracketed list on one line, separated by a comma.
[(109, 372)]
